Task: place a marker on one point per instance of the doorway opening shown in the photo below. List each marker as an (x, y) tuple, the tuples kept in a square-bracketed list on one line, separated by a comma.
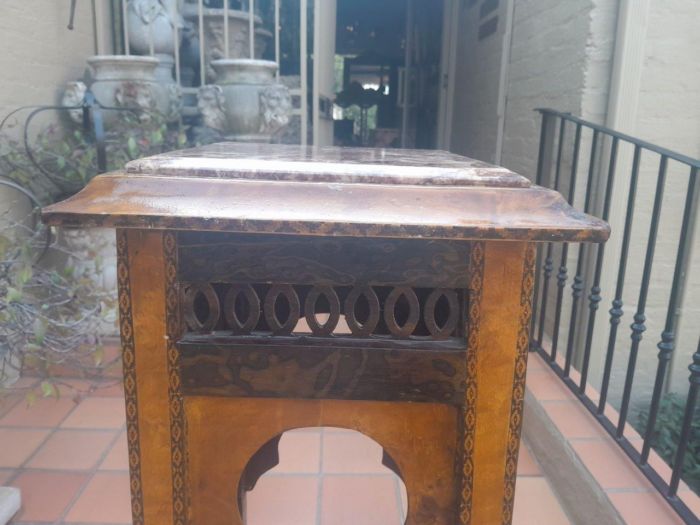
[(387, 73), (315, 475)]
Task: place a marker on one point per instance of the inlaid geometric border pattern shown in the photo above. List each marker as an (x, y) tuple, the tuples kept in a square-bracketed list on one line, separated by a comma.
[(177, 412), (476, 281), (516, 407), (126, 329)]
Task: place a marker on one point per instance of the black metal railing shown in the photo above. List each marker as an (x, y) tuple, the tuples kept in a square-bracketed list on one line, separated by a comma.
[(605, 279)]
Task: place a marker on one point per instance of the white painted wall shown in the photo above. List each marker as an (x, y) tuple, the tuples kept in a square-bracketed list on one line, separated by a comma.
[(39, 55), (324, 59), (477, 73), (668, 114), (562, 57)]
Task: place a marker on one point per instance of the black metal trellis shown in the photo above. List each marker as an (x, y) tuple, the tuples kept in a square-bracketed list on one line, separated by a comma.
[(612, 139)]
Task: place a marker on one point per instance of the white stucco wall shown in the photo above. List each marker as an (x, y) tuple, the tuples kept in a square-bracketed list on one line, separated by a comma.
[(562, 57), (477, 73), (667, 114), (39, 55)]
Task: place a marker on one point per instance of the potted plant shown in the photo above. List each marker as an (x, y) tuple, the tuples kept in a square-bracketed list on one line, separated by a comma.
[(57, 299)]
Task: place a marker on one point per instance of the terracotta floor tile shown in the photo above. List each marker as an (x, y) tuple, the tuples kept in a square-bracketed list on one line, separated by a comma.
[(283, 500), (643, 507), (351, 452), (5, 474), (574, 421), (527, 465), (111, 388), (82, 388), (610, 465), (546, 386), (118, 456), (46, 495), (535, 362), (72, 450), (691, 499), (105, 500), (403, 496), (536, 504), (300, 453), (8, 401), (18, 444), (97, 412), (45, 412), (351, 500)]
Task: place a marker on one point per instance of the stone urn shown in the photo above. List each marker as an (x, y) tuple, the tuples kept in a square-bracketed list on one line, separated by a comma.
[(245, 104), (121, 81), (151, 26), (92, 254), (214, 38), (263, 37)]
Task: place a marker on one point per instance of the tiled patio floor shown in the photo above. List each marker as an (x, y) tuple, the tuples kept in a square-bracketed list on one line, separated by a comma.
[(68, 457)]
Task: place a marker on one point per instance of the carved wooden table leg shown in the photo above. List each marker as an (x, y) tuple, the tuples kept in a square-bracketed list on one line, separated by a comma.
[(148, 305)]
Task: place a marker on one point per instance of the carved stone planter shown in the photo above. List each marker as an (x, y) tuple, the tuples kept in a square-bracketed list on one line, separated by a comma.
[(126, 82), (151, 26), (213, 26), (246, 104)]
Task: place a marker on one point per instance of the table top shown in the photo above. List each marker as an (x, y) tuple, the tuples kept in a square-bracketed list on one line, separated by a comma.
[(358, 192), (328, 164)]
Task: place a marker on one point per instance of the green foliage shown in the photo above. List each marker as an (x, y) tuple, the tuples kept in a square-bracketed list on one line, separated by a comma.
[(53, 314), (48, 316), (66, 159), (666, 437)]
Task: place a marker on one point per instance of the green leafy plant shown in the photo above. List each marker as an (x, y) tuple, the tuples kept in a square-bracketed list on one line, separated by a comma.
[(667, 432), (52, 311), (61, 161), (48, 317)]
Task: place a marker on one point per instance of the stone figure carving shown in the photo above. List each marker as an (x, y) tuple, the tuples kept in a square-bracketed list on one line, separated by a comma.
[(275, 108), (136, 95), (73, 96), (151, 24), (212, 105)]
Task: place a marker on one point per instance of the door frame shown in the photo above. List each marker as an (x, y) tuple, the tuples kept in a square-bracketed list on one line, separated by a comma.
[(448, 65)]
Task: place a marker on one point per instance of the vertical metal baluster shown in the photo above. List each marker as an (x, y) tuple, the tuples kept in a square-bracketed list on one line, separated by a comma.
[(594, 297), (176, 44), (226, 31), (638, 327), (277, 38), (548, 263), (125, 26), (577, 285), (616, 311), (539, 180), (251, 26), (667, 343), (690, 404), (563, 270), (202, 44), (303, 70)]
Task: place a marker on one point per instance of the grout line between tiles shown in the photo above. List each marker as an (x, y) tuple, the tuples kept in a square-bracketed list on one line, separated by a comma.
[(89, 478), (321, 473), (399, 503)]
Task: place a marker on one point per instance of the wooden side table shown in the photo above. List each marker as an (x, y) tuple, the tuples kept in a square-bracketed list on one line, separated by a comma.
[(426, 257)]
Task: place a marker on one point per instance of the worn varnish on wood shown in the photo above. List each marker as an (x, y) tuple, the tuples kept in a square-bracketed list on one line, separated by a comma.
[(264, 288)]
